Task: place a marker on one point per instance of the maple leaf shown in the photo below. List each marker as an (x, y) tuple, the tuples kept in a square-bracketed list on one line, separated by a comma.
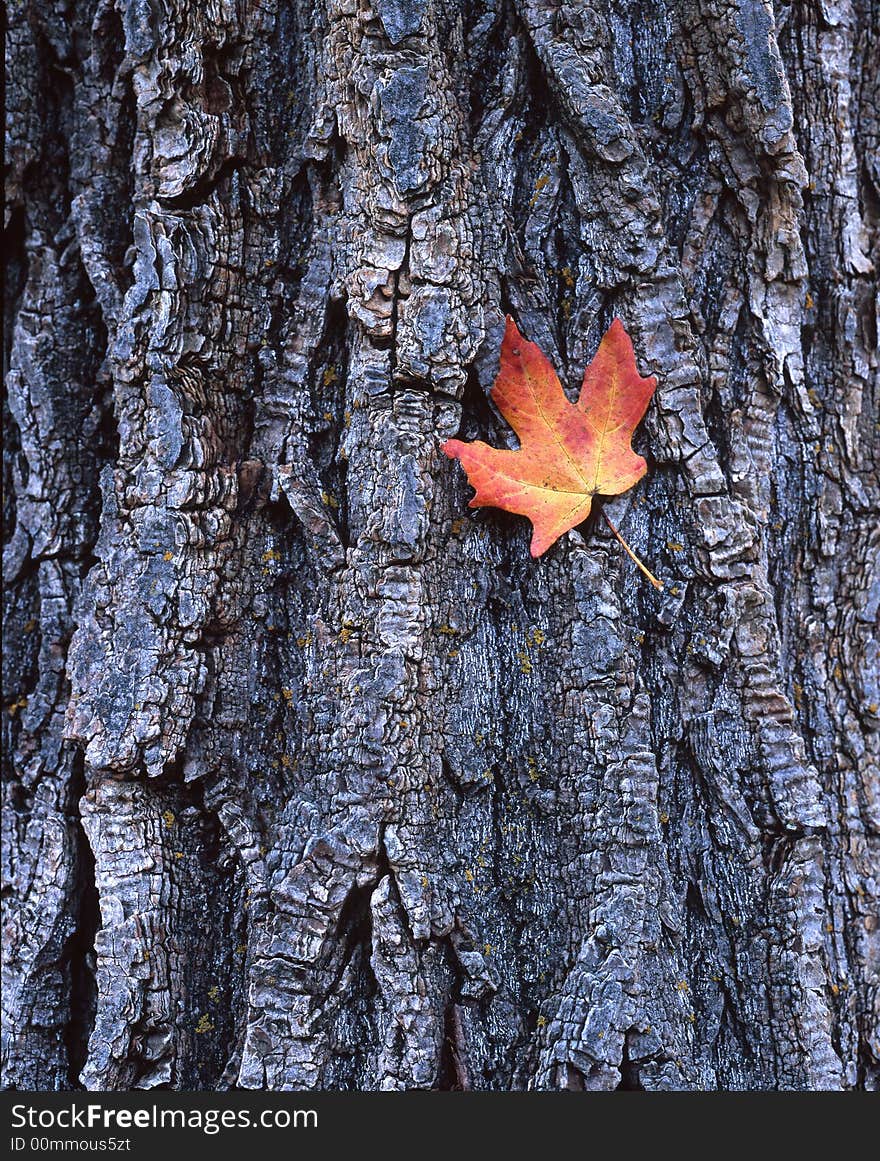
[(569, 452)]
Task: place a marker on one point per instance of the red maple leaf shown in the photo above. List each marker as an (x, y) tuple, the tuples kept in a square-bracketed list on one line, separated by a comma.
[(569, 452)]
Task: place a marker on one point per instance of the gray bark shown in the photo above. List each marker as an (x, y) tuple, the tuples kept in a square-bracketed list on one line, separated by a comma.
[(315, 779)]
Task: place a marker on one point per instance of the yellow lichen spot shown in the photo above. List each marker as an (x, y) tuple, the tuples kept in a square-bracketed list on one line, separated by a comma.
[(683, 986), (447, 631), (305, 640), (542, 181), (457, 526), (213, 993), (178, 854), (424, 880), (469, 874), (328, 415), (835, 990), (168, 818), (329, 499), (329, 378), (664, 817), (542, 1021), (674, 546), (808, 301), (567, 276), (524, 662), (534, 772), (168, 555), (30, 625), (487, 949), (286, 761), (345, 635), (692, 1017), (205, 1024), (453, 653), (15, 706), (838, 673), (287, 694), (271, 554)]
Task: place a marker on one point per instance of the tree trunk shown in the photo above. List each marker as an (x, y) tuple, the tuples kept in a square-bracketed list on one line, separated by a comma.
[(316, 779)]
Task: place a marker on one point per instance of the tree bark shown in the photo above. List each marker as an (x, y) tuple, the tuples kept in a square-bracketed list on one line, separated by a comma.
[(315, 779)]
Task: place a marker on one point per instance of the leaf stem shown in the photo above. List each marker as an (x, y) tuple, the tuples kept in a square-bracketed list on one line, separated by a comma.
[(658, 584)]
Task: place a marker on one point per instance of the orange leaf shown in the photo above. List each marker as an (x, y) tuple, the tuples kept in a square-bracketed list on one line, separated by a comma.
[(568, 452)]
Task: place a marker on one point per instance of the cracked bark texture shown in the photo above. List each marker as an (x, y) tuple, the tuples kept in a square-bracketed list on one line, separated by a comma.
[(315, 779)]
